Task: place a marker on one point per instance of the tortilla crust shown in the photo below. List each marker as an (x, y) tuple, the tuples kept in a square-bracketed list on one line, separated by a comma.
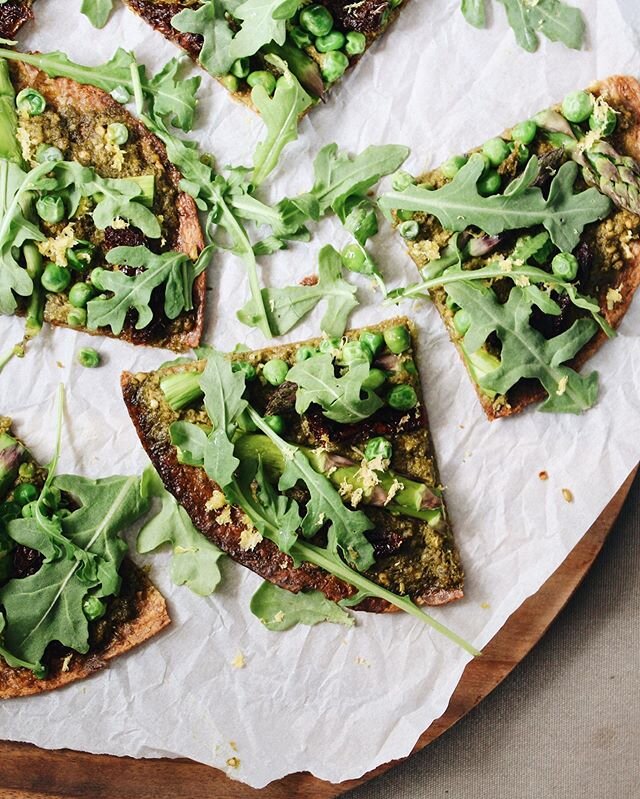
[(159, 16), (13, 15), (61, 93), (151, 617), (621, 90), (191, 486)]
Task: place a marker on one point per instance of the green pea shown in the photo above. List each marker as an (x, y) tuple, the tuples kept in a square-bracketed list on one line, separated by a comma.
[(246, 423), (244, 366), (330, 344), (276, 423), (89, 358), (262, 78), (462, 321), (95, 276), (410, 367), (26, 471), (577, 106), (121, 95), (397, 339), (80, 294), (356, 43), (117, 133), (489, 183), (372, 340), (9, 511), (275, 371), (31, 101), (55, 278), (79, 258), (77, 317), (374, 380), (450, 303), (334, 65), (304, 353), (317, 20), (524, 132), (241, 67), (299, 36), (404, 216), (335, 40), (50, 209), (355, 352), (453, 165), (378, 447), (230, 83), (496, 151), (93, 608), (402, 398), (25, 493), (565, 266), (603, 119), (401, 180), (353, 258), (409, 230), (47, 152)]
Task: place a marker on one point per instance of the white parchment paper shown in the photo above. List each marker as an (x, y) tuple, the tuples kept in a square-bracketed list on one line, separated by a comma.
[(331, 701)]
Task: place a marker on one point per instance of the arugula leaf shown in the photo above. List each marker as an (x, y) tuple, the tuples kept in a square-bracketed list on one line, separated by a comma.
[(118, 201), (475, 12), (14, 662), (346, 527), (223, 400), (209, 22), (263, 21), (173, 97), (339, 177), (458, 204), (97, 11), (280, 114), (47, 606), (279, 609), (194, 561), (287, 306), (175, 270), (526, 353), (165, 92), (339, 397), (552, 18), (15, 230), (9, 146)]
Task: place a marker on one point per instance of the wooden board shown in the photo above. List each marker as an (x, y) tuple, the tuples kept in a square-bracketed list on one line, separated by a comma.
[(27, 772)]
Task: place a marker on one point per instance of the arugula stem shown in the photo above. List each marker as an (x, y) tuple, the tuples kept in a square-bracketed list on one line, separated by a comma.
[(318, 557)]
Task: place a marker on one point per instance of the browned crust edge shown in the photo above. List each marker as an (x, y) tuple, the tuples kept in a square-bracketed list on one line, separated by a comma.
[(622, 90), (189, 239), (151, 618), (192, 488)]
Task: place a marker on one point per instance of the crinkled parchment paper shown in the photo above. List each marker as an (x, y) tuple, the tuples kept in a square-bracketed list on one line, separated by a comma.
[(335, 701)]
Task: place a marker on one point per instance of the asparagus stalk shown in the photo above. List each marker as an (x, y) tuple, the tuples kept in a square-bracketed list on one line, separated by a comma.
[(9, 147), (412, 498), (181, 389), (301, 65), (617, 176), (11, 454), (35, 308)]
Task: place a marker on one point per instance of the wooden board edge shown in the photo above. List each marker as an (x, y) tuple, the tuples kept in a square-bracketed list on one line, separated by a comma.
[(32, 773)]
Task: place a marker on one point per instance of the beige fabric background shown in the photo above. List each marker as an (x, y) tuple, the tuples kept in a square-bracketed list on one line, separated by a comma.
[(566, 723)]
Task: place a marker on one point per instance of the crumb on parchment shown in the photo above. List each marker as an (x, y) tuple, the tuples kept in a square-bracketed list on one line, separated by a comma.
[(567, 495), (239, 661), (233, 762), (543, 475)]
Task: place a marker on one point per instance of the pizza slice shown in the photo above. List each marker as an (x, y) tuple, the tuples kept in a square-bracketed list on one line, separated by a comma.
[(13, 15), (530, 247), (70, 599), (244, 44), (310, 464), (97, 234)]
